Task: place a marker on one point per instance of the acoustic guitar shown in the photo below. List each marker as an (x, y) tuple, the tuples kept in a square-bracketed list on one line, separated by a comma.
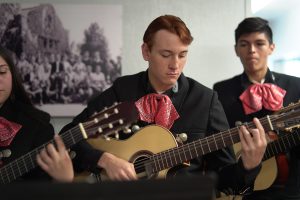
[(153, 150), (107, 122), (281, 144)]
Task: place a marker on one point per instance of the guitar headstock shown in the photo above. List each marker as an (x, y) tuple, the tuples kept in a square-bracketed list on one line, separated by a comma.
[(111, 120), (288, 120)]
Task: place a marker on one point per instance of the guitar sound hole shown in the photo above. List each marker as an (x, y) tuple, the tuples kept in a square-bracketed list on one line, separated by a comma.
[(140, 165)]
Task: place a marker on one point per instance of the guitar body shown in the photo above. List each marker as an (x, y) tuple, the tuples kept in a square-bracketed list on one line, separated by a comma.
[(267, 174), (149, 140)]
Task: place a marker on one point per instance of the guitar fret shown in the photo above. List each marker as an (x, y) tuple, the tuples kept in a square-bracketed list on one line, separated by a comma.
[(194, 143), (23, 159), (159, 167), (7, 174), (179, 156), (267, 153), (163, 159), (223, 140), (230, 136), (191, 155), (215, 141), (200, 143), (155, 165), (12, 170), (20, 173), (176, 162), (208, 144), (185, 158), (170, 158)]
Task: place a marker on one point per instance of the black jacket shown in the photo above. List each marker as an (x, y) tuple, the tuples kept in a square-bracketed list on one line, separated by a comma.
[(36, 130), (201, 114), (229, 92)]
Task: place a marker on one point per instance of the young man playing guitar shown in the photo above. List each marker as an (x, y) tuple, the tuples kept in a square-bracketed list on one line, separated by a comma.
[(166, 97), (258, 92)]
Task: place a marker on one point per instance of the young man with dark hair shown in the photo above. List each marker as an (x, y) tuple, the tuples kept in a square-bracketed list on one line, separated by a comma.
[(257, 92)]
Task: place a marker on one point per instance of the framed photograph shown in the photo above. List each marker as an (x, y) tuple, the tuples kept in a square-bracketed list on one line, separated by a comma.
[(65, 53)]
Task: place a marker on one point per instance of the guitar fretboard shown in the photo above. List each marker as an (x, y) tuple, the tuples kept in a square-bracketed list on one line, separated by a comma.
[(282, 144), (27, 162), (178, 155)]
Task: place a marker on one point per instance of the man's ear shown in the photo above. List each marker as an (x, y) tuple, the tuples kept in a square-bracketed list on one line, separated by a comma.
[(145, 51), (272, 47)]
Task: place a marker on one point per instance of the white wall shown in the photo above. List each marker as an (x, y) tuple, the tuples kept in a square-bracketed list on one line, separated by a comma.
[(212, 24), (283, 16)]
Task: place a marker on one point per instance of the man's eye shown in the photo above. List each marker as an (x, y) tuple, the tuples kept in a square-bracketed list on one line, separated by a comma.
[(182, 55), (165, 55)]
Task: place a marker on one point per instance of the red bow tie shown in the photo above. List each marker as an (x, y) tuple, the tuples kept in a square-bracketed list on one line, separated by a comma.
[(157, 108), (8, 131), (265, 95)]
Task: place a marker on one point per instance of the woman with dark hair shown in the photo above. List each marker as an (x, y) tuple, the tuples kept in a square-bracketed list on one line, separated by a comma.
[(24, 128)]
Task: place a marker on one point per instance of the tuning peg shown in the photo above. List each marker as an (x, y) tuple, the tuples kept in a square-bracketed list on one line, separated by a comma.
[(117, 136), (238, 123), (100, 130), (182, 137), (5, 153), (110, 125), (106, 137), (116, 111), (135, 128), (127, 130), (121, 121), (105, 115)]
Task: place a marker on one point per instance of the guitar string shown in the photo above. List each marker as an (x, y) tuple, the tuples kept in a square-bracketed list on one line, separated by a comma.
[(291, 139), (214, 139), (202, 142), (27, 162), (78, 131), (16, 169), (28, 158), (209, 141)]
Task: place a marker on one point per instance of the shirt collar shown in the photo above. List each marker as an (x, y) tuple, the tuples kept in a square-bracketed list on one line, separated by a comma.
[(246, 82)]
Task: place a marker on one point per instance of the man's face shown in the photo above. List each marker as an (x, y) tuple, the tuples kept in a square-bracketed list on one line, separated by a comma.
[(253, 49), (166, 59)]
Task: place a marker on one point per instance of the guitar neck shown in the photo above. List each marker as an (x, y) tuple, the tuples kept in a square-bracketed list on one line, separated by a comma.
[(282, 144), (27, 162), (186, 152)]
